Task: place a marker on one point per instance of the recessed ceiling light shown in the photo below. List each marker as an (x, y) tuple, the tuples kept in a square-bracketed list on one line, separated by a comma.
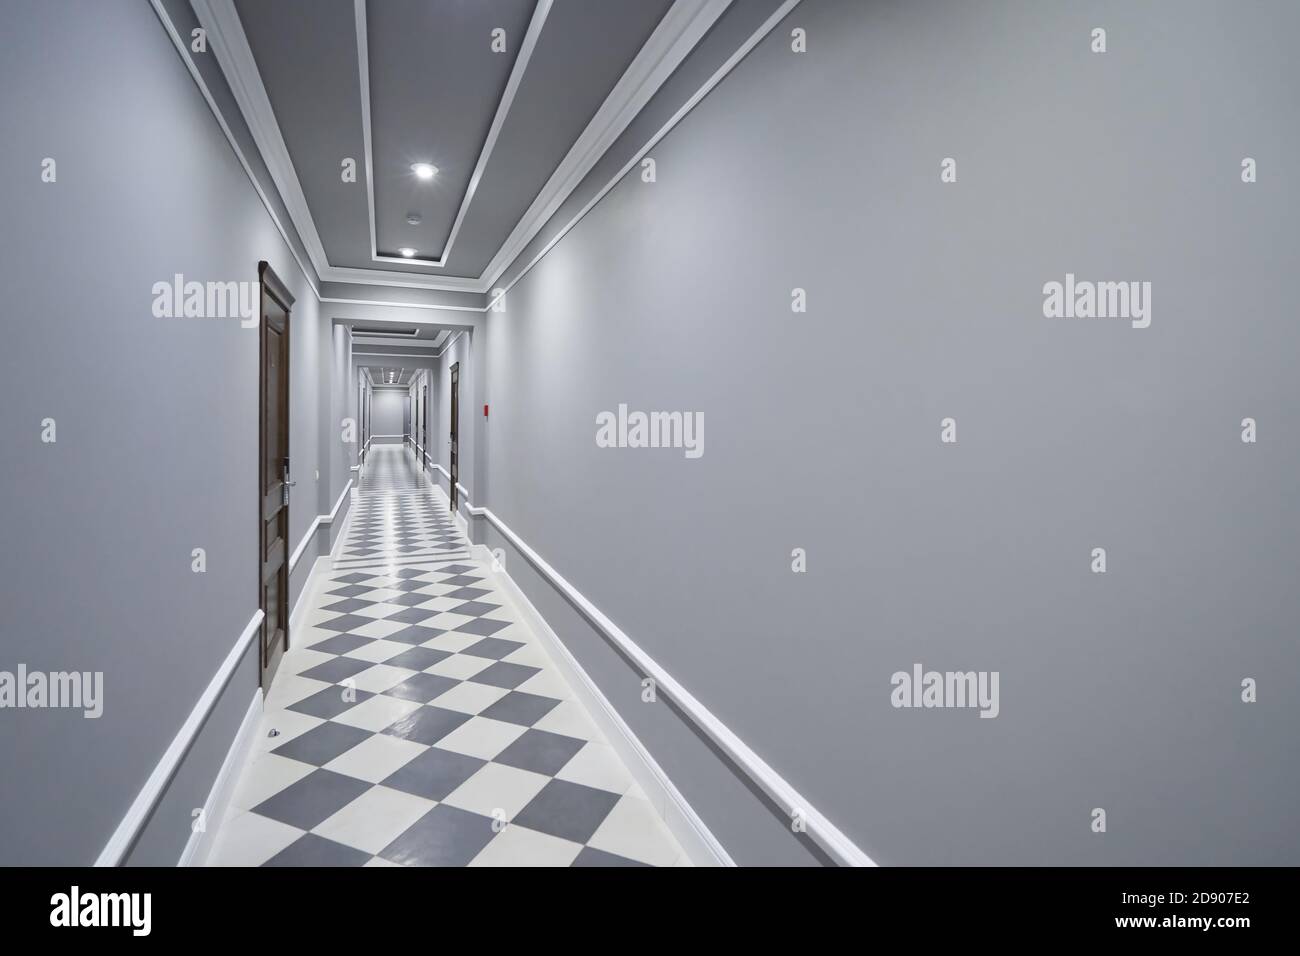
[(406, 251), (424, 170)]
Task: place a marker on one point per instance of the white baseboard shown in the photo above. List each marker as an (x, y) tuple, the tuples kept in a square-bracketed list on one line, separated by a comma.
[(695, 839), (200, 842), (320, 567)]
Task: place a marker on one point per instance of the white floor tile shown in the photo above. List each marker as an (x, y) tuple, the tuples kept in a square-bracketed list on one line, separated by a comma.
[(376, 713), (375, 758), (265, 777), (519, 846), (597, 765), (481, 737), (379, 678), (497, 790), (250, 839), (635, 831), (375, 819), (568, 718)]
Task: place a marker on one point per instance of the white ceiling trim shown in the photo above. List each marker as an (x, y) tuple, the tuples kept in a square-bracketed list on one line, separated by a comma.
[(529, 43), (680, 30), (740, 53), (677, 34), (234, 55), (183, 49)]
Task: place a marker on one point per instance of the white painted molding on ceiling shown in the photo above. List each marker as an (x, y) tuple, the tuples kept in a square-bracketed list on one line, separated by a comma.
[(740, 53), (146, 801), (824, 833), (677, 34), (161, 12), (673, 57), (315, 526), (522, 58)]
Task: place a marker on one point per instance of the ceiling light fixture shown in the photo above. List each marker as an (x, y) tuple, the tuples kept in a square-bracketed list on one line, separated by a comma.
[(424, 170), (406, 251), (413, 218)]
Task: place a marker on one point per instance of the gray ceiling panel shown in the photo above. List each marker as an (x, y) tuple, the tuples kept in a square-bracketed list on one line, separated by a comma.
[(435, 84), (435, 87), (583, 51), (306, 53)]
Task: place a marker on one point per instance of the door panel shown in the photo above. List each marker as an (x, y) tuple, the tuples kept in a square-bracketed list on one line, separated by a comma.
[(455, 434), (274, 482)]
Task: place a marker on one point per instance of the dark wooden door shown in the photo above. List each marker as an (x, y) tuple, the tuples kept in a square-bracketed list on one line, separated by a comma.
[(455, 432), (273, 472)]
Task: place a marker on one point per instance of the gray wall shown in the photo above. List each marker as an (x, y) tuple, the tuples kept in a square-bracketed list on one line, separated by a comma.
[(821, 171), (387, 411), (156, 422)]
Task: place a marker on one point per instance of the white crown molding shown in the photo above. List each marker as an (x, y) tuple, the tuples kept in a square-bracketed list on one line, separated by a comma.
[(522, 58), (404, 280), (741, 52), (681, 29), (235, 57), (678, 33)]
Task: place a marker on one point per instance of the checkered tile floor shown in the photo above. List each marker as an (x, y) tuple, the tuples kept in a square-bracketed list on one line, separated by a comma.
[(419, 722)]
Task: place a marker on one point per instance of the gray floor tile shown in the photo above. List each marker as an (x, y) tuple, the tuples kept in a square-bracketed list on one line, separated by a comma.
[(567, 810), (418, 658), (445, 836), (434, 774), (503, 674), (541, 752), (520, 708), (427, 725), (341, 644), (322, 744), (331, 701), (313, 850), (590, 856), (313, 799), (415, 634), (340, 668), (493, 647), (482, 626)]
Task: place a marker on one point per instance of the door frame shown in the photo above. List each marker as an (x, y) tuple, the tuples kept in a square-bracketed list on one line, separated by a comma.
[(453, 458), (269, 284)]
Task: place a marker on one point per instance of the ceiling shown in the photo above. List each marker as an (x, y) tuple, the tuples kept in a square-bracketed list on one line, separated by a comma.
[(389, 375), (390, 83)]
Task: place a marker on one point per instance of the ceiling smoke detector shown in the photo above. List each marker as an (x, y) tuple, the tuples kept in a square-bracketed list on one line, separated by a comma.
[(413, 218)]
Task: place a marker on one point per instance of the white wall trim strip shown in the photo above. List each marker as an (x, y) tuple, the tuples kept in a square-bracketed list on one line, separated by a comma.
[(824, 833), (146, 801), (315, 526), (200, 843), (699, 843), (678, 33)]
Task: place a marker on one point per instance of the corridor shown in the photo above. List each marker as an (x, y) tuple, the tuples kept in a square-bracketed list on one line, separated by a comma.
[(701, 433), (420, 723)]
